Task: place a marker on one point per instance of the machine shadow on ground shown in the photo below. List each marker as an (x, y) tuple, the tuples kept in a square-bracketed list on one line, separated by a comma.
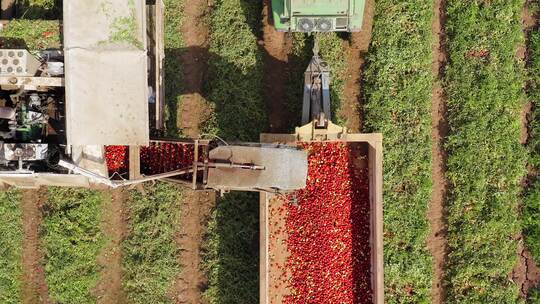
[(23, 9), (231, 248)]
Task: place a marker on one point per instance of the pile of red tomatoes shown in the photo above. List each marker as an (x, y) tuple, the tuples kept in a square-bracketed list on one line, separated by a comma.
[(329, 230), (117, 158), (166, 157)]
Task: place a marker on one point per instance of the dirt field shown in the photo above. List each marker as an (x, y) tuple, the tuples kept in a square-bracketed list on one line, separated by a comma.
[(194, 111), (34, 284), (436, 213), (109, 289)]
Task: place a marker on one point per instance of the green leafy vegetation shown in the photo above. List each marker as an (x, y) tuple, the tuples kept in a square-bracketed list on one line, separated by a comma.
[(125, 29), (534, 296), (235, 81), (332, 50), (174, 45), (231, 256), (484, 84), (235, 87), (531, 210), (72, 241), (398, 85), (150, 252), (31, 34), (11, 236)]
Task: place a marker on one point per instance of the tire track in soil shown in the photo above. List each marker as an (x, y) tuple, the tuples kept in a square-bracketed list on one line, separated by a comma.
[(192, 282), (276, 47), (351, 108), (114, 225), (526, 274), (193, 111), (34, 286), (437, 241)]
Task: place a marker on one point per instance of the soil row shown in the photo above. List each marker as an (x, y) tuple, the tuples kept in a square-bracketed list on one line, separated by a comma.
[(437, 241)]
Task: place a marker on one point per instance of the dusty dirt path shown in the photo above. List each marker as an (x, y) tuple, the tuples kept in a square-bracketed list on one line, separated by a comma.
[(34, 289), (194, 109), (351, 108), (276, 46), (192, 282), (437, 241), (109, 289)]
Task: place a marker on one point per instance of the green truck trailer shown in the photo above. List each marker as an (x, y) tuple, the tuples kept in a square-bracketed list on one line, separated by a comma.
[(318, 15)]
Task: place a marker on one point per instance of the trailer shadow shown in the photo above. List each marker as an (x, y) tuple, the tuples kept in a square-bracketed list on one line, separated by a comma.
[(230, 249), (235, 91), (24, 9)]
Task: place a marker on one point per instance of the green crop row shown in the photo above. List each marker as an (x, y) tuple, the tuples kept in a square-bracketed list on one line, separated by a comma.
[(398, 86), (11, 237), (72, 241), (531, 210), (150, 254), (235, 75), (234, 86), (484, 84), (334, 53), (231, 252), (174, 45)]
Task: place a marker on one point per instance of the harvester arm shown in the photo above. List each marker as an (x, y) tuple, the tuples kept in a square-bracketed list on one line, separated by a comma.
[(316, 103)]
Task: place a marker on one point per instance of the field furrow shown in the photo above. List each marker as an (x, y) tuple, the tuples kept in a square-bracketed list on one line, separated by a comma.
[(484, 83), (398, 86), (437, 241), (35, 288)]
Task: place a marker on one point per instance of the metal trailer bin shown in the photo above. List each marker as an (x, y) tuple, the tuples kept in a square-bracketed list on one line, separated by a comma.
[(277, 254)]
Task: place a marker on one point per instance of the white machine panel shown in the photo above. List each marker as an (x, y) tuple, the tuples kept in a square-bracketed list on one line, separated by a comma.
[(106, 74)]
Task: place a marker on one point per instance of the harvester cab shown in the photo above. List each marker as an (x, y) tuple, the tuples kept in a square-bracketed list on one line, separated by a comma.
[(318, 15), (61, 109)]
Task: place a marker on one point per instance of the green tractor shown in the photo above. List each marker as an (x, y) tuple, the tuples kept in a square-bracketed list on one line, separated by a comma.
[(318, 15)]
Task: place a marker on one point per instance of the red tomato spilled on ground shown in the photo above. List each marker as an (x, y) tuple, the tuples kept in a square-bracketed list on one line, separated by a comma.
[(329, 230)]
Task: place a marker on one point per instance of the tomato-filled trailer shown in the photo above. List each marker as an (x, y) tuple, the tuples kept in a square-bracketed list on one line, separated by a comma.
[(326, 240), (63, 112)]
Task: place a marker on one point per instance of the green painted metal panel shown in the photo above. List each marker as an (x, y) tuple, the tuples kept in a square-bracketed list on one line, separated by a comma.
[(319, 7), (348, 14)]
